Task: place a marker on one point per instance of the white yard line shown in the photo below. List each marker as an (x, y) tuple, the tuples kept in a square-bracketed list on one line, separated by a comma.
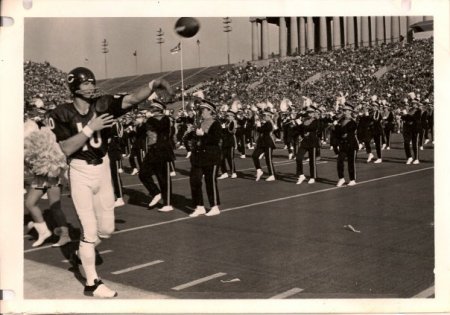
[(258, 203), (102, 252), (288, 293), (198, 281), (155, 262)]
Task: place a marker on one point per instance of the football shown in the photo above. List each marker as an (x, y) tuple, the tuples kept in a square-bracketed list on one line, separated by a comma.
[(187, 26)]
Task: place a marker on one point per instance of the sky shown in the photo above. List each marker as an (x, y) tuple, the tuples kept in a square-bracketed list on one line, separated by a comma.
[(71, 42)]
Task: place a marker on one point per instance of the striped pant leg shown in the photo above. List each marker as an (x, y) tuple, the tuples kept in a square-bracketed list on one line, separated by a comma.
[(269, 160), (212, 189)]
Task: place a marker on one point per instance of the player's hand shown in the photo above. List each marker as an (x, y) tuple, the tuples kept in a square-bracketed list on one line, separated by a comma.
[(101, 122), (298, 121), (199, 132), (162, 84), (258, 124)]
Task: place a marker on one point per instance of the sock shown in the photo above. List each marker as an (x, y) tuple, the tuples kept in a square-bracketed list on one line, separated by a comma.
[(87, 256)]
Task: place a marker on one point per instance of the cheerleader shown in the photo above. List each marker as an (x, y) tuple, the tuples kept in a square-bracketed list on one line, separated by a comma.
[(43, 157)]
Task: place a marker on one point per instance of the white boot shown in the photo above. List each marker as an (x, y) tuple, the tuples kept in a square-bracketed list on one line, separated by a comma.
[(43, 233), (64, 237)]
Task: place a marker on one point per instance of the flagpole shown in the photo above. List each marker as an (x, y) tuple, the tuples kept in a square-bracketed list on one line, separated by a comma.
[(182, 84)]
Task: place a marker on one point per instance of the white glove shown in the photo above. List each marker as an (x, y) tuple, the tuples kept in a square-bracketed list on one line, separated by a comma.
[(199, 132), (335, 122), (298, 121)]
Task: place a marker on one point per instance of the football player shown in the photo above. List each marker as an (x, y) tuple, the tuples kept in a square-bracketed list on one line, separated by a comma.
[(82, 130)]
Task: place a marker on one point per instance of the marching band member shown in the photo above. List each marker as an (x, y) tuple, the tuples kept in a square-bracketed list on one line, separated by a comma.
[(377, 130), (159, 157), (264, 145), (411, 127), (388, 125), (115, 162), (364, 131), (228, 145), (241, 124), (307, 129), (205, 160), (345, 130)]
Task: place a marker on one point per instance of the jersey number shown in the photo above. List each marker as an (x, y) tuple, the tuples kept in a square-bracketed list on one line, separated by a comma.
[(95, 141)]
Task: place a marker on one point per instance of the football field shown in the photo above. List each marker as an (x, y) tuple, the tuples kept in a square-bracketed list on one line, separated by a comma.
[(272, 239)]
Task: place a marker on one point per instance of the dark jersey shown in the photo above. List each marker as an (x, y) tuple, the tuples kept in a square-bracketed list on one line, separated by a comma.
[(66, 121)]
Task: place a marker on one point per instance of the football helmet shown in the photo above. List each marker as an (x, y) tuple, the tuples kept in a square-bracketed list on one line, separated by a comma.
[(78, 76)]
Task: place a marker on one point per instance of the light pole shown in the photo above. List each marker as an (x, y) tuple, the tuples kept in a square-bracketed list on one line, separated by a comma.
[(105, 50), (160, 41), (198, 44), (227, 29)]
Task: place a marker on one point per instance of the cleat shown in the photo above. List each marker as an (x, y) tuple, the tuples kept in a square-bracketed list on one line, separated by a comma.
[(198, 211), (44, 196), (24, 191), (300, 180), (360, 146), (311, 181), (234, 175), (182, 147), (188, 155), (426, 141), (370, 157), (249, 146), (167, 208), (155, 200), (124, 155), (285, 147), (421, 148), (242, 156), (261, 156), (340, 183), (119, 202), (409, 161), (383, 146), (214, 211), (291, 155), (378, 161), (271, 178), (331, 148), (120, 170), (172, 174), (99, 290), (307, 160), (252, 147), (223, 176), (135, 171), (416, 162), (388, 148), (259, 173), (351, 183)]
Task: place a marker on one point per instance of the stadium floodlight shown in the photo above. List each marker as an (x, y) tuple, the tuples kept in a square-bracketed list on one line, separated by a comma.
[(105, 50), (160, 41), (227, 29)]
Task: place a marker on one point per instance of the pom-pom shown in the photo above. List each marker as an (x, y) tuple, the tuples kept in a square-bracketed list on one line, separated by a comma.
[(43, 154), (28, 127)]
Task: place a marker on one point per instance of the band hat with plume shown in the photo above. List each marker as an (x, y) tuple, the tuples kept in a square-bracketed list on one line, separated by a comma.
[(158, 105), (208, 105)]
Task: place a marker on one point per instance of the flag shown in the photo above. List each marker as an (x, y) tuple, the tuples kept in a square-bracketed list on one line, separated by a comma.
[(176, 49), (135, 53)]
